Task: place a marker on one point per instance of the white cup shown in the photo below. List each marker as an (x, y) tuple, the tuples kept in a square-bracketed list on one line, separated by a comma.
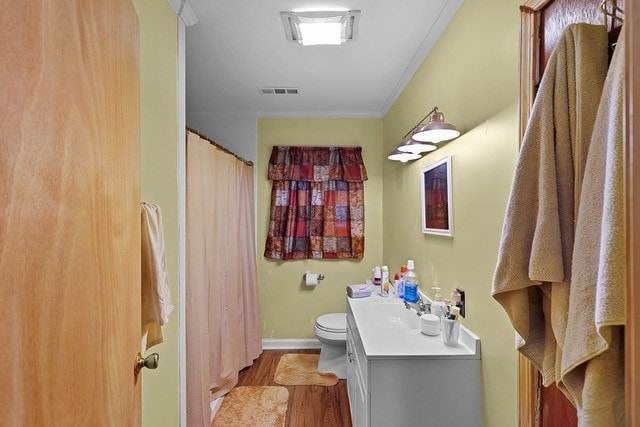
[(450, 332)]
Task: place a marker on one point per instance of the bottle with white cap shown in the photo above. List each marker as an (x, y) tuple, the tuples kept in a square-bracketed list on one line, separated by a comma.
[(384, 288), (438, 306), (410, 284), (377, 276)]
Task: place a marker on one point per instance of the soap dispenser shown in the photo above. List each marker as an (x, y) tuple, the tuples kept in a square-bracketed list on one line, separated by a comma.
[(437, 306)]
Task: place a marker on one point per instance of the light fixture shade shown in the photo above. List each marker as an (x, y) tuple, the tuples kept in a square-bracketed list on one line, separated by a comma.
[(321, 28), (436, 131), (402, 156), (410, 145)]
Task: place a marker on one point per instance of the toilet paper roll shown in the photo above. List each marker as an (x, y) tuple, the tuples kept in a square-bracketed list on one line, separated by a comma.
[(311, 279)]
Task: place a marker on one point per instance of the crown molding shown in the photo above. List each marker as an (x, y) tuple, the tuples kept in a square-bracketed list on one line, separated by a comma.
[(183, 10), (175, 5), (429, 41), (320, 114)]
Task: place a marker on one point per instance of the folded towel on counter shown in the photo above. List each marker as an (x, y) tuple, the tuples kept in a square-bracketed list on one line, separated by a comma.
[(358, 291)]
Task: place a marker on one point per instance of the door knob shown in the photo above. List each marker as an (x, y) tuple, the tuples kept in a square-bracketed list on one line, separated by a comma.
[(149, 362)]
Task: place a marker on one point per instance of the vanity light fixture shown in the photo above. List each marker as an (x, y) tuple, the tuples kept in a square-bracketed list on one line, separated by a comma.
[(410, 145), (423, 137), (402, 156), (321, 28), (437, 130)]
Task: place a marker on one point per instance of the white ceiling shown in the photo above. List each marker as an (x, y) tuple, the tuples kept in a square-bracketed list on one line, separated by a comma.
[(240, 45)]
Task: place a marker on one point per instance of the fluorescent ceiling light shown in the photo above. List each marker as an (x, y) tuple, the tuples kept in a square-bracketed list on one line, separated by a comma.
[(321, 28), (321, 33)]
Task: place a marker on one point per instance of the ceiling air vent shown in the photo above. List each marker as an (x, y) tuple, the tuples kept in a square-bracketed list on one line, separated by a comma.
[(269, 90)]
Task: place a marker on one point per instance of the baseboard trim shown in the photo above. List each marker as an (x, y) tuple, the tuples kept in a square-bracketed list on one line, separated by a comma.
[(215, 405), (289, 344)]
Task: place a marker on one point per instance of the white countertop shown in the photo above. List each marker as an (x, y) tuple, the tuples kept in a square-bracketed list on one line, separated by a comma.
[(383, 335)]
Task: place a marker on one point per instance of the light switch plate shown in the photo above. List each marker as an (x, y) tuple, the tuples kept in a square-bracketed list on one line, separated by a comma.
[(461, 303)]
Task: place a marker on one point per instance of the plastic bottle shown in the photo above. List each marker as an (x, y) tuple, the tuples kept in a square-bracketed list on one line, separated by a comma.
[(396, 284), (377, 276), (384, 289), (400, 285), (411, 284), (437, 306)]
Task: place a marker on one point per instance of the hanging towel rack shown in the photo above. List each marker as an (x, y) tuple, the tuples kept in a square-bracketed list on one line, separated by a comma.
[(614, 13)]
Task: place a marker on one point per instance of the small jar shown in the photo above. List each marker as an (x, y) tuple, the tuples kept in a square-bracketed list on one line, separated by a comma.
[(430, 324)]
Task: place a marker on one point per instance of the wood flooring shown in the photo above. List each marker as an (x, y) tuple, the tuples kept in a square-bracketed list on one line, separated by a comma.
[(309, 406)]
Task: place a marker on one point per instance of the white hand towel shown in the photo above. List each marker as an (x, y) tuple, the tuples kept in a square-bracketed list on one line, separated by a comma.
[(155, 293)]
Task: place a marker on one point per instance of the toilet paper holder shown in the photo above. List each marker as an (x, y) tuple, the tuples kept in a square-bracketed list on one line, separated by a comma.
[(320, 276)]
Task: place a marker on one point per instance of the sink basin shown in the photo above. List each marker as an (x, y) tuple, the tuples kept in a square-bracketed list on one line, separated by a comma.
[(390, 316)]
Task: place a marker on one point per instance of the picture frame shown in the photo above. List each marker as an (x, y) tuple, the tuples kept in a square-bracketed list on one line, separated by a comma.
[(436, 198)]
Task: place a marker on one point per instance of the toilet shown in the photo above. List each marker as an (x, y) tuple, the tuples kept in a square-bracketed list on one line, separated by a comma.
[(331, 330)]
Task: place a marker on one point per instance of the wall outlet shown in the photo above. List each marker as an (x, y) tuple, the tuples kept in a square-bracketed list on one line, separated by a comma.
[(461, 303)]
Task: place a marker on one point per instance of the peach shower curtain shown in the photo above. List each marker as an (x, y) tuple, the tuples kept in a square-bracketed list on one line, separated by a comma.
[(223, 332)]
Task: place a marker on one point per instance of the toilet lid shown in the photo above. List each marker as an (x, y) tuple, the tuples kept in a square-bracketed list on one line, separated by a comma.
[(333, 322)]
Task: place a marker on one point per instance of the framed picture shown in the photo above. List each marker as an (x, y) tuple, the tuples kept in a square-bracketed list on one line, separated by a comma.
[(436, 198)]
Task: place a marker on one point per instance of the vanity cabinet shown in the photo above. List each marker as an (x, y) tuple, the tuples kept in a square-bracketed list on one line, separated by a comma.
[(419, 382), (356, 387)]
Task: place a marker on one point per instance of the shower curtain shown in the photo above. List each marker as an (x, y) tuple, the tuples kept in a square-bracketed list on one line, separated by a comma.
[(223, 334)]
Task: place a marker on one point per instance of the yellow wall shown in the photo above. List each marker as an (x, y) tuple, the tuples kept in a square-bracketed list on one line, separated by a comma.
[(472, 75), (158, 174), (287, 309)]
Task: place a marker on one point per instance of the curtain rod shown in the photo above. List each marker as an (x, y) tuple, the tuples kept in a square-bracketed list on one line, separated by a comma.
[(218, 146)]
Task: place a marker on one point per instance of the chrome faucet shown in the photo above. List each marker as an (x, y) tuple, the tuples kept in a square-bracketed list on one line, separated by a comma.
[(421, 307)]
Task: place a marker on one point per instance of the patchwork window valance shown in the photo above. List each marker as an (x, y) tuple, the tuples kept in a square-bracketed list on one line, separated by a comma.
[(317, 164), (317, 203)]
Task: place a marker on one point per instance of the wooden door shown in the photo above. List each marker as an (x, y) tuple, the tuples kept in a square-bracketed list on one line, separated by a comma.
[(69, 213), (632, 154)]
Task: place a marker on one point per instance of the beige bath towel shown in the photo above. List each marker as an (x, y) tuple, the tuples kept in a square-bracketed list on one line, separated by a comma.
[(593, 356), (532, 276), (155, 293)]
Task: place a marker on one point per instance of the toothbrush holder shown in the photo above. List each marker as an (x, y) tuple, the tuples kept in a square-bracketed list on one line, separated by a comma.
[(450, 332)]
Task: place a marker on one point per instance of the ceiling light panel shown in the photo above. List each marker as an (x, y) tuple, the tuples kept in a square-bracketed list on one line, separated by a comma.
[(321, 28)]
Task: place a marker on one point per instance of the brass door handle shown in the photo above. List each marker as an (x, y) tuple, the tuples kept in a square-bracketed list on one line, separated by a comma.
[(149, 362)]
